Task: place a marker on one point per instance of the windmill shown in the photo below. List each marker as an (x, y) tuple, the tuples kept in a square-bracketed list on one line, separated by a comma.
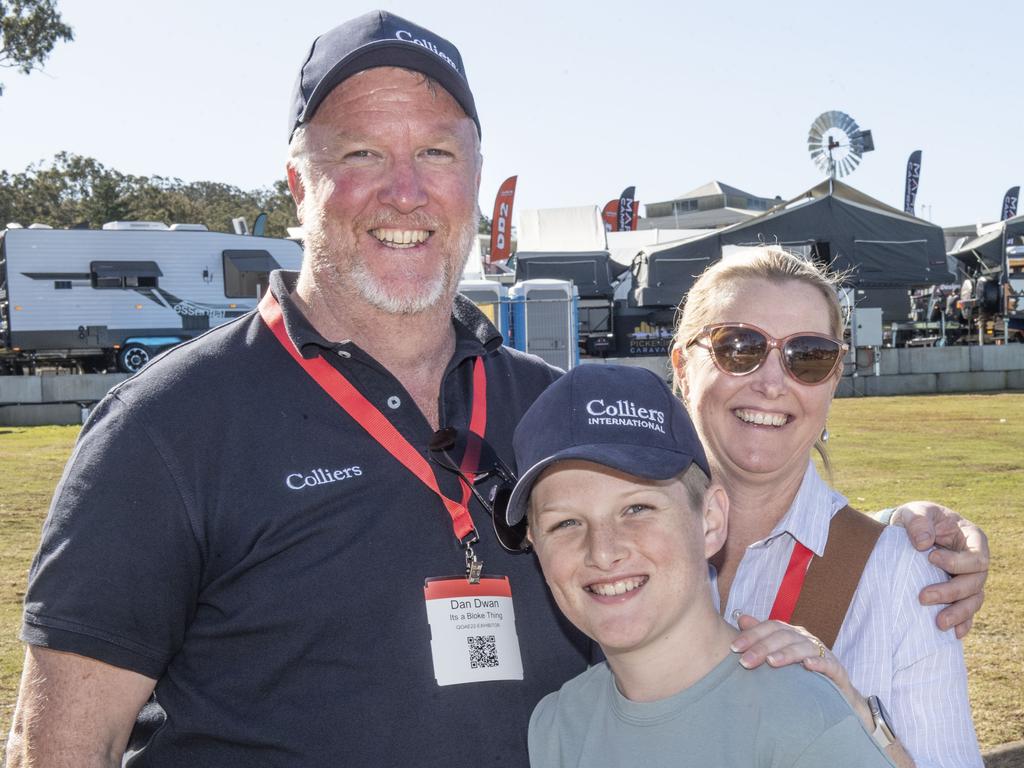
[(836, 144)]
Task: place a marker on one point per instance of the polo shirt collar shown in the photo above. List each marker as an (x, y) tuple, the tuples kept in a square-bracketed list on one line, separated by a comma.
[(804, 520), (474, 333), (471, 323)]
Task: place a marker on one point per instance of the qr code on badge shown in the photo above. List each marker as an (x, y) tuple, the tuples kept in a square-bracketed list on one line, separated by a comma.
[(482, 651)]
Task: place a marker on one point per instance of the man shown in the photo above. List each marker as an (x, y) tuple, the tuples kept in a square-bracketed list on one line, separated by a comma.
[(623, 516), (230, 540), (245, 560)]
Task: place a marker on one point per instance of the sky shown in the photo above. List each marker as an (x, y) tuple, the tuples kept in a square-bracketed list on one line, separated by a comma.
[(580, 99)]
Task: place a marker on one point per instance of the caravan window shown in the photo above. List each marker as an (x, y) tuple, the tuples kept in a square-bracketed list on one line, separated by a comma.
[(124, 274), (246, 273)]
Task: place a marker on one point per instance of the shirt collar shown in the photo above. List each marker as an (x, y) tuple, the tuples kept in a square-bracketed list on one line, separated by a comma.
[(804, 520), (474, 333)]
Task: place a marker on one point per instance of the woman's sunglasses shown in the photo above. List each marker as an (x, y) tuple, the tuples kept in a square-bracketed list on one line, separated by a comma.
[(739, 349), (511, 537)]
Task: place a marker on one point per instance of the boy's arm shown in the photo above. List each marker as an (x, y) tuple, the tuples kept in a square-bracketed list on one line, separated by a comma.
[(846, 745), (779, 644)]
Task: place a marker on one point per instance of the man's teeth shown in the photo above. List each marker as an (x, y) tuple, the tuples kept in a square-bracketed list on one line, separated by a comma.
[(617, 587), (757, 417), (402, 238)]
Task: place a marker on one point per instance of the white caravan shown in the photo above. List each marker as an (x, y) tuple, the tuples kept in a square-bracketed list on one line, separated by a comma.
[(94, 299)]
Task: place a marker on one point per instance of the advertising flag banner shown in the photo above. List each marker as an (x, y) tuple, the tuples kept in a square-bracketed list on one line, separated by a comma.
[(913, 179), (610, 215), (501, 222), (1010, 203), (626, 217)]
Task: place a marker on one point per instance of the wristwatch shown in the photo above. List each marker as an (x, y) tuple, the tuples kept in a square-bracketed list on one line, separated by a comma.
[(883, 734)]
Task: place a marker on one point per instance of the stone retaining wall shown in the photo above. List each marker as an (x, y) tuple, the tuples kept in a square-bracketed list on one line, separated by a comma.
[(51, 399)]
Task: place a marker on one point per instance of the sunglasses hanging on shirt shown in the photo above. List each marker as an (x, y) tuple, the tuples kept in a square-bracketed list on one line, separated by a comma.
[(489, 466), (739, 349)]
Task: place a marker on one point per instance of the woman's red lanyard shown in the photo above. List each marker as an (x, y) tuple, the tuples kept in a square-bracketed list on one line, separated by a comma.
[(792, 583), (377, 425)]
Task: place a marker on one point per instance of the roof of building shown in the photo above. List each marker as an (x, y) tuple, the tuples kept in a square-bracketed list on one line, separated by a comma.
[(710, 219), (714, 188)]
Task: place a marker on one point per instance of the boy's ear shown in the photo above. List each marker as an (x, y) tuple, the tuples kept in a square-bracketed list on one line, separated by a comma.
[(716, 519)]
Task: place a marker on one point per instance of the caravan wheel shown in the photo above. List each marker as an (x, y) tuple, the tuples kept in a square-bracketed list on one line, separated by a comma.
[(132, 358)]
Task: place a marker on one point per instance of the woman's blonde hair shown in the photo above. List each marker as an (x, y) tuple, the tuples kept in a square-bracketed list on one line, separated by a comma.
[(718, 282)]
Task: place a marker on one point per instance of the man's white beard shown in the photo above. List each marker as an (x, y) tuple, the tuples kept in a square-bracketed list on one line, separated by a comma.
[(378, 293)]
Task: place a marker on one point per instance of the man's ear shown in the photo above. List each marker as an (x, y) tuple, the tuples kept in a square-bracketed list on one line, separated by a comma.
[(716, 519), (296, 187)]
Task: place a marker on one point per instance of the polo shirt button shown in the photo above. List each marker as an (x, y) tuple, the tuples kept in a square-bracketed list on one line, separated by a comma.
[(394, 402)]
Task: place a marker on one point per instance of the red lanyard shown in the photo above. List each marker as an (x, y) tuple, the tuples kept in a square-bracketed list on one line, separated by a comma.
[(792, 583), (383, 431)]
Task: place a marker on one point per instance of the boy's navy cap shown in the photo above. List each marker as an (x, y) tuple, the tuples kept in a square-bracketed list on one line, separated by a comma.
[(618, 416), (377, 39)]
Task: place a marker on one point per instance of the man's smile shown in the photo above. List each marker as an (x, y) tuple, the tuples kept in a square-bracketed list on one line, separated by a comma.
[(401, 238)]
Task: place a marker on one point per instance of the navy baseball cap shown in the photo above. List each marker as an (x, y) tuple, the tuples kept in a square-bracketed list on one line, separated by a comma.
[(377, 39), (619, 416)]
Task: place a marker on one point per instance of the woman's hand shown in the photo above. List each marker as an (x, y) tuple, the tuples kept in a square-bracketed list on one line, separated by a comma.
[(779, 644), (962, 552)]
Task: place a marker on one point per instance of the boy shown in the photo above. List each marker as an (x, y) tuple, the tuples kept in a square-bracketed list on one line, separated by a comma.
[(622, 513)]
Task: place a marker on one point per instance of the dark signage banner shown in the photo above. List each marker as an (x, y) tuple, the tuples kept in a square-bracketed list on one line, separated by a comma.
[(1010, 203), (913, 179), (627, 218)]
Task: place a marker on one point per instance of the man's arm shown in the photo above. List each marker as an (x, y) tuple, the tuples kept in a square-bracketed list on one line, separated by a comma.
[(962, 552), (73, 711)]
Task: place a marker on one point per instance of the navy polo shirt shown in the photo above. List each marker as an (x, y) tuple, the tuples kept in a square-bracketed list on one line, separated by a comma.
[(225, 528)]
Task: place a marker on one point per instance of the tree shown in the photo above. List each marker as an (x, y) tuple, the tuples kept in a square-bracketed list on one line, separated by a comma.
[(485, 226), (72, 190), (28, 31)]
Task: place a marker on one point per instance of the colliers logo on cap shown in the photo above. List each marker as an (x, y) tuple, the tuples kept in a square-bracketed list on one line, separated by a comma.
[(625, 413), (408, 37)]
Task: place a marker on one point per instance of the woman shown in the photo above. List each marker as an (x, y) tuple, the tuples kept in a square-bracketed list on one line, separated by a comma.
[(757, 358)]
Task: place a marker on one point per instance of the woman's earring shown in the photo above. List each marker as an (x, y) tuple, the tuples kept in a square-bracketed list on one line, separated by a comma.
[(824, 435)]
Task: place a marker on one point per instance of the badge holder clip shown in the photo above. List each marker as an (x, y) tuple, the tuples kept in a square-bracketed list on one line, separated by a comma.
[(474, 566)]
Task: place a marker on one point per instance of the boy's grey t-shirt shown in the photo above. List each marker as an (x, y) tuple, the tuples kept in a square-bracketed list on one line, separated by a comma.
[(732, 716)]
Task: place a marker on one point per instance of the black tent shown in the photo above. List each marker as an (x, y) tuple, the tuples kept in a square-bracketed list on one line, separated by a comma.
[(592, 272), (886, 250), (986, 252)]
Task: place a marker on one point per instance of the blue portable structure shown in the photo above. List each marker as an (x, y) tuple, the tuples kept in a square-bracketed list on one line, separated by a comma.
[(545, 320)]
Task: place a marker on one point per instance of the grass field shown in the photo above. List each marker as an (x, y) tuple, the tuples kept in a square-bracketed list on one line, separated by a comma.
[(964, 450)]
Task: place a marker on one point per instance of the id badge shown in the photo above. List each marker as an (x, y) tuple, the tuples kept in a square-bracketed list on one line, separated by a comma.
[(472, 630)]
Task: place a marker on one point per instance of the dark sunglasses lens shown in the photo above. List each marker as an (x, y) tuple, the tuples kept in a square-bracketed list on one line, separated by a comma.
[(811, 358), (480, 452), (738, 350), (466, 448), (443, 440), (511, 537)]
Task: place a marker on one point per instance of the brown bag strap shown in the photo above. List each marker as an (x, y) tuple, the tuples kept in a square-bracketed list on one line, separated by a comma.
[(832, 578)]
